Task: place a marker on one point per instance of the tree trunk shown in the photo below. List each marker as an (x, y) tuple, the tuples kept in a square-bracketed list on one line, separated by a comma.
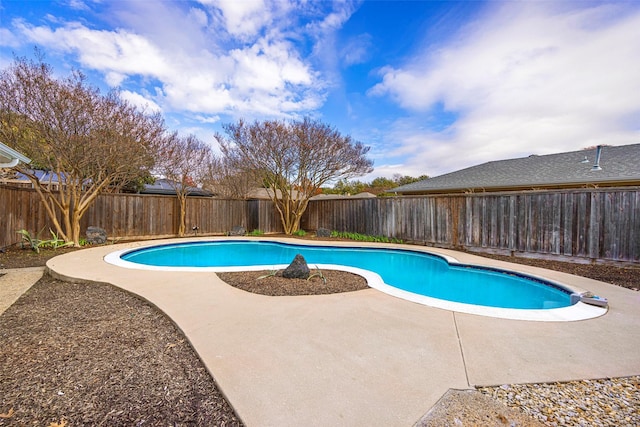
[(182, 225), (75, 228)]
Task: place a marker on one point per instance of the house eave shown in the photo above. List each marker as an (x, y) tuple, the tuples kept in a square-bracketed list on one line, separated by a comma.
[(10, 157)]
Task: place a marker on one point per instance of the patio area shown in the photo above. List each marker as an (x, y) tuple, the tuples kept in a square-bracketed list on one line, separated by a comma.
[(366, 358)]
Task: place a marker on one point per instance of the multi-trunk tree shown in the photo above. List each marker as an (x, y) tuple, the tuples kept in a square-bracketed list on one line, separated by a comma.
[(185, 162), (292, 160), (88, 141)]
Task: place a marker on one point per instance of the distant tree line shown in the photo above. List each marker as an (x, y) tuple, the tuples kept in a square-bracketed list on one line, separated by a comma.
[(379, 186)]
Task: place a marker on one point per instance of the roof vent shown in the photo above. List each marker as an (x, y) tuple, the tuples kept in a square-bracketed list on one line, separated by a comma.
[(596, 165), (585, 160)]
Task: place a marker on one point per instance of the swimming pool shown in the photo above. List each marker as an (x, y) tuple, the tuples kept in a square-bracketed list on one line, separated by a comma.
[(414, 275)]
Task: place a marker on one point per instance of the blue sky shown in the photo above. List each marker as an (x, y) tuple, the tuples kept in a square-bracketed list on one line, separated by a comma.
[(430, 86)]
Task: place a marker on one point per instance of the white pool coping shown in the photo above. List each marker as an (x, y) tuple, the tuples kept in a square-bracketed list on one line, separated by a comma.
[(576, 312)]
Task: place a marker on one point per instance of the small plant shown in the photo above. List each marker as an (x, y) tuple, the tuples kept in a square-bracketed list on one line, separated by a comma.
[(34, 242), (319, 274), (300, 233), (271, 273), (256, 232), (56, 242)]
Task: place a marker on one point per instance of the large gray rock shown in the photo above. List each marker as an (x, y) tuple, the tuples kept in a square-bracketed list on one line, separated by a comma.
[(96, 235), (323, 232), (298, 269), (237, 231)]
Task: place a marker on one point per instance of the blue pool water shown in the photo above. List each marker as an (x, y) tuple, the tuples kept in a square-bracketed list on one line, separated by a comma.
[(415, 272)]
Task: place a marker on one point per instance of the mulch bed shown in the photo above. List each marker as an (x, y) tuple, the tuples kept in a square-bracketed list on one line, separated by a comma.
[(92, 354), (626, 277), (276, 285), (17, 257)]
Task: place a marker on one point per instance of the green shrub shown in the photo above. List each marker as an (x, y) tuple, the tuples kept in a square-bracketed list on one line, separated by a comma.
[(256, 232), (364, 237), (300, 233)]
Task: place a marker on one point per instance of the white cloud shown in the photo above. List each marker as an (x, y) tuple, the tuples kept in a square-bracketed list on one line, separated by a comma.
[(262, 74), (207, 119), (140, 101), (243, 18), (78, 5), (526, 78), (199, 16), (8, 38), (357, 50), (110, 51), (269, 67), (336, 18)]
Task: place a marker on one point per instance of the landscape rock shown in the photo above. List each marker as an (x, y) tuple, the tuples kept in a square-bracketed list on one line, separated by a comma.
[(604, 402), (298, 269), (96, 235), (238, 230), (323, 232), (472, 408)]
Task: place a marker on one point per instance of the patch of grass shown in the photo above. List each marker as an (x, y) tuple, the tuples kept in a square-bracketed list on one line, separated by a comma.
[(300, 233), (256, 232), (364, 237)]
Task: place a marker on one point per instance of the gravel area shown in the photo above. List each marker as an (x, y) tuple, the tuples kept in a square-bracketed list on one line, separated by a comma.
[(471, 408), (609, 402)]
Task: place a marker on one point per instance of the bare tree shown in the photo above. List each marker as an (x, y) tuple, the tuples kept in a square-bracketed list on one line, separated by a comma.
[(185, 162), (293, 160), (225, 181), (88, 141)]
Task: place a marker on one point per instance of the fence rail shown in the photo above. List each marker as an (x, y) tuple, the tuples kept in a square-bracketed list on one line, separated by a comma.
[(589, 224)]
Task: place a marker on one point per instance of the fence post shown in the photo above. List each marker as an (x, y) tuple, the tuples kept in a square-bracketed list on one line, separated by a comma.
[(512, 224), (594, 227)]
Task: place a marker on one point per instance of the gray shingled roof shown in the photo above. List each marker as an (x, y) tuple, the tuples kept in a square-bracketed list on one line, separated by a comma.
[(165, 187), (619, 164)]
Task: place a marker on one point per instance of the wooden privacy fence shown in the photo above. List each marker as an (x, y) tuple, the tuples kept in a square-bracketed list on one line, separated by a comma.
[(135, 216), (596, 224)]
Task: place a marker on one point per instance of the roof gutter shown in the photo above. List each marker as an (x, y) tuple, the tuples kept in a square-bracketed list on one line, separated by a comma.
[(13, 156)]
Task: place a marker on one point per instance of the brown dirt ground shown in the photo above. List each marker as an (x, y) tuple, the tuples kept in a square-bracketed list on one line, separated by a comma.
[(254, 281), (95, 355), (626, 277)]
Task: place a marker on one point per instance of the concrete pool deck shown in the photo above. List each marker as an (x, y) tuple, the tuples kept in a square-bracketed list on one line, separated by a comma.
[(366, 358)]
